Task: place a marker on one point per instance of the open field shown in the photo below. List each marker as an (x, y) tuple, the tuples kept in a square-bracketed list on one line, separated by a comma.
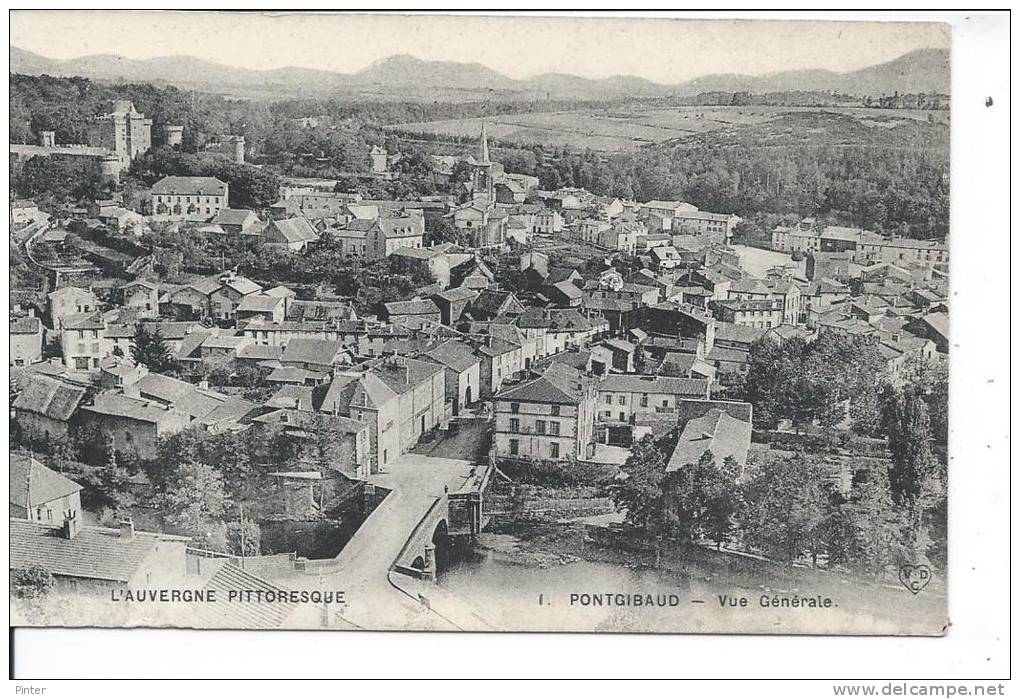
[(622, 129)]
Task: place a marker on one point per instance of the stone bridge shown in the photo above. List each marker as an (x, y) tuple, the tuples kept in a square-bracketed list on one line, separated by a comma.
[(386, 569), (455, 513)]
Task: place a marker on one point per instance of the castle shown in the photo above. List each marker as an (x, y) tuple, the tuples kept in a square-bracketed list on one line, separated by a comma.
[(114, 140)]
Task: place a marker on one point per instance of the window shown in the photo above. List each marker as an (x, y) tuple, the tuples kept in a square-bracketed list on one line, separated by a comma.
[(554, 450), (554, 428), (607, 414), (623, 416), (665, 402), (515, 425), (556, 410), (514, 447), (81, 363), (515, 408), (644, 400), (540, 426), (621, 400), (609, 400)]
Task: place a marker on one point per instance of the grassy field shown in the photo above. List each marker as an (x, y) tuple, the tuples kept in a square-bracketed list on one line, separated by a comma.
[(622, 129)]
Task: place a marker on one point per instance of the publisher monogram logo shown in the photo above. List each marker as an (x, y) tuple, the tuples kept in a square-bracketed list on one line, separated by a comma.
[(915, 578)]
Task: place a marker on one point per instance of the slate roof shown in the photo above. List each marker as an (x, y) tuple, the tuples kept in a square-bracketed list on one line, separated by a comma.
[(939, 322), (731, 332), (259, 303), (235, 217), (620, 344), (726, 354), (292, 396), (459, 294), (717, 432), (366, 390), (72, 292), (51, 397), (311, 350), (561, 274), (453, 354), (33, 484), (644, 383), (491, 301), (190, 185), (495, 346), (291, 374), (165, 388), (95, 553), (119, 405), (260, 352), (568, 289), (225, 341), (559, 383), (191, 343), (293, 230), (391, 370), (240, 284), (415, 307)]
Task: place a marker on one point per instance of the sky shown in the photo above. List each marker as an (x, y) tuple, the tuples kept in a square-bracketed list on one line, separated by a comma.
[(659, 49)]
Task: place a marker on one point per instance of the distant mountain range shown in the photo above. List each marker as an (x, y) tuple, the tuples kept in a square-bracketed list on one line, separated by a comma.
[(924, 70)]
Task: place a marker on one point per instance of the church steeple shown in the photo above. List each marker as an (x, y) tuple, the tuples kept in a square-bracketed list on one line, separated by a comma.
[(483, 146)]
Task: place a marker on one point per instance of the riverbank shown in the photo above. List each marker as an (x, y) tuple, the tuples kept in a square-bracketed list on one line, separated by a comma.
[(555, 549)]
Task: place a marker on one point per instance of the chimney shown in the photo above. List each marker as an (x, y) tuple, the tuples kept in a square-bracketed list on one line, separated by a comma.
[(127, 528), (71, 524)]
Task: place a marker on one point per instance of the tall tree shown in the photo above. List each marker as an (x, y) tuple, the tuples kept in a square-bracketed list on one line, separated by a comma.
[(149, 348), (784, 509), (641, 492), (701, 501), (192, 500)]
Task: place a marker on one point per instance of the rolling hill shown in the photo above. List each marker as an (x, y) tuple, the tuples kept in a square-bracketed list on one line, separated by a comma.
[(924, 70)]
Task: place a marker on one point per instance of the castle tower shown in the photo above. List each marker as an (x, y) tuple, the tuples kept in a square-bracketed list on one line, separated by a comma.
[(110, 167), (238, 149), (482, 184)]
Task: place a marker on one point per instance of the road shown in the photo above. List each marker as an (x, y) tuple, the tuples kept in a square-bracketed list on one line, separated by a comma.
[(377, 599)]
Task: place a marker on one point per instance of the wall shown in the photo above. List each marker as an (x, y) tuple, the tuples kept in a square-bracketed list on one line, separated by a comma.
[(25, 348)]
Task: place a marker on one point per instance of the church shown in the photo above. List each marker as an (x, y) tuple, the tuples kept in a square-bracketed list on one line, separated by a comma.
[(479, 217)]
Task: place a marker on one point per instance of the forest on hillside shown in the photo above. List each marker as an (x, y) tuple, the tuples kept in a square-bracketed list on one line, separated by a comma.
[(883, 173)]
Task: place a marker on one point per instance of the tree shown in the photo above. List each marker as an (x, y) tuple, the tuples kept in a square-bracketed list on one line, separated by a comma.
[(784, 508), (193, 501), (701, 501), (916, 477), (641, 492), (244, 539), (866, 530), (442, 231), (31, 583), (149, 348)]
